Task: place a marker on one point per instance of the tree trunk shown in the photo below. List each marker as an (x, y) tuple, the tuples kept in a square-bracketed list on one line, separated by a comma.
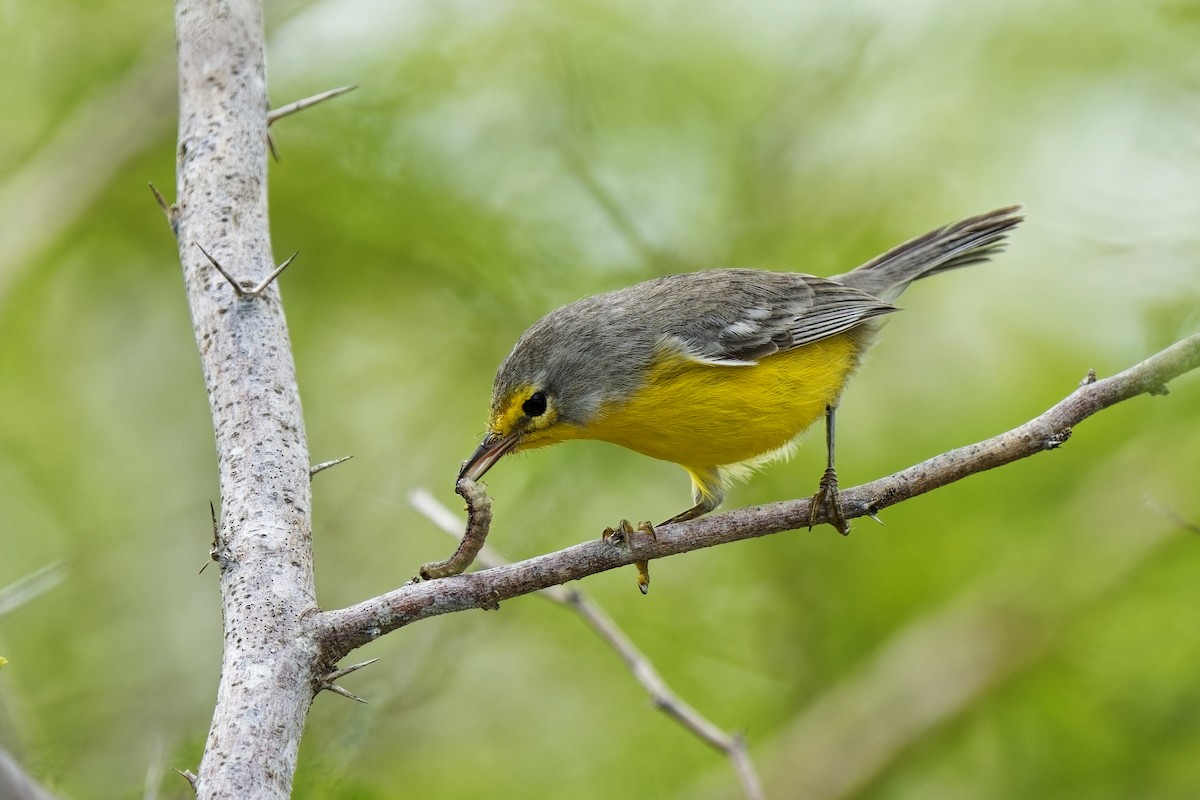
[(263, 541)]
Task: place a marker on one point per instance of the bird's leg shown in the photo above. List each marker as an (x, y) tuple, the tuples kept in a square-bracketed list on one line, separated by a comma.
[(624, 533), (827, 497), (708, 490), (698, 510)]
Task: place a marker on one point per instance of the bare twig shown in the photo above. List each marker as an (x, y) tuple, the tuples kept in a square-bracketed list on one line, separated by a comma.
[(617, 216), (155, 767), (308, 102), (17, 784), (21, 591), (1172, 515), (942, 665), (47, 190), (344, 629), (640, 666)]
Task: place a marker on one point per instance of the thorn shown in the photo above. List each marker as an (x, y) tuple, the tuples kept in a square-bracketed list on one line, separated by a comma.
[(258, 290), (271, 145), (308, 102), (212, 551), (237, 288), (333, 687), (188, 776), (327, 681), (324, 465), (1057, 439), (163, 204), (874, 516), (337, 674)]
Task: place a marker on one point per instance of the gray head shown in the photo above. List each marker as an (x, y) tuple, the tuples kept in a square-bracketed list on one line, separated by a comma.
[(562, 370)]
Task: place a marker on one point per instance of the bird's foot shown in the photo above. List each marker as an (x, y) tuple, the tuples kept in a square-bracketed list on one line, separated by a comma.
[(622, 534), (829, 500)]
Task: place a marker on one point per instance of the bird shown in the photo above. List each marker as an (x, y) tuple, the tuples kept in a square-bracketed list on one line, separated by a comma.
[(719, 371)]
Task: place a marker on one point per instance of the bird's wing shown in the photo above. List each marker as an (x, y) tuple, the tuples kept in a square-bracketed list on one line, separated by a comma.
[(745, 315)]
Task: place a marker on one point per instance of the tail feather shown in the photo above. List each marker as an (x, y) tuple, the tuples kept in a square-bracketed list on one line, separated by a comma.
[(960, 244)]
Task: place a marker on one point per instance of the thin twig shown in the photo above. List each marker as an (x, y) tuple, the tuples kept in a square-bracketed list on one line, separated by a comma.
[(942, 665), (155, 767), (345, 629), (17, 784), (21, 591), (620, 220), (308, 102), (74, 162), (1172, 515), (639, 664)]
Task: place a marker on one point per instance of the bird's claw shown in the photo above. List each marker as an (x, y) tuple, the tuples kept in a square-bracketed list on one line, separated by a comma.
[(624, 533), (829, 500)]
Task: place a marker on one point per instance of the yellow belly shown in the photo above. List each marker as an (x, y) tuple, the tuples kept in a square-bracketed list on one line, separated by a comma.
[(703, 415)]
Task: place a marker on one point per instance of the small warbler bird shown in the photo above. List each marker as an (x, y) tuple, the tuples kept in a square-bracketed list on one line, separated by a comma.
[(717, 371)]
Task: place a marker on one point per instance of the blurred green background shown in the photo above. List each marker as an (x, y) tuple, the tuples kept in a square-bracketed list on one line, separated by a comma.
[(1026, 633)]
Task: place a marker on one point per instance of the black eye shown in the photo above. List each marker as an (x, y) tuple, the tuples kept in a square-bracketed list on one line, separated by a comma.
[(535, 406)]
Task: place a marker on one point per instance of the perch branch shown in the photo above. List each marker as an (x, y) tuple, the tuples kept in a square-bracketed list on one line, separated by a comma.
[(343, 630)]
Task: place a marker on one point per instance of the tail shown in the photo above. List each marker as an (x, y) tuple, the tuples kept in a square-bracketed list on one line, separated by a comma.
[(958, 245)]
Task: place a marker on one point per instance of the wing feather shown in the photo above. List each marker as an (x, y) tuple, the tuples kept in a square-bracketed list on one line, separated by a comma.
[(751, 314)]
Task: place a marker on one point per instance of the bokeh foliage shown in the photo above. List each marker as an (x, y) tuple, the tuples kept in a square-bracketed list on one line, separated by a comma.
[(501, 158)]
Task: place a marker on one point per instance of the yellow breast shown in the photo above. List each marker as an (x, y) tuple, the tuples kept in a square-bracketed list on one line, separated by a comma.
[(705, 415)]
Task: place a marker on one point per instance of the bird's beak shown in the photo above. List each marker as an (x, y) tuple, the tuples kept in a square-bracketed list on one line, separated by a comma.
[(488, 453)]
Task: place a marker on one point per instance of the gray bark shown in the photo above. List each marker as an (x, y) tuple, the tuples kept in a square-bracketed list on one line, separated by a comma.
[(263, 541)]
